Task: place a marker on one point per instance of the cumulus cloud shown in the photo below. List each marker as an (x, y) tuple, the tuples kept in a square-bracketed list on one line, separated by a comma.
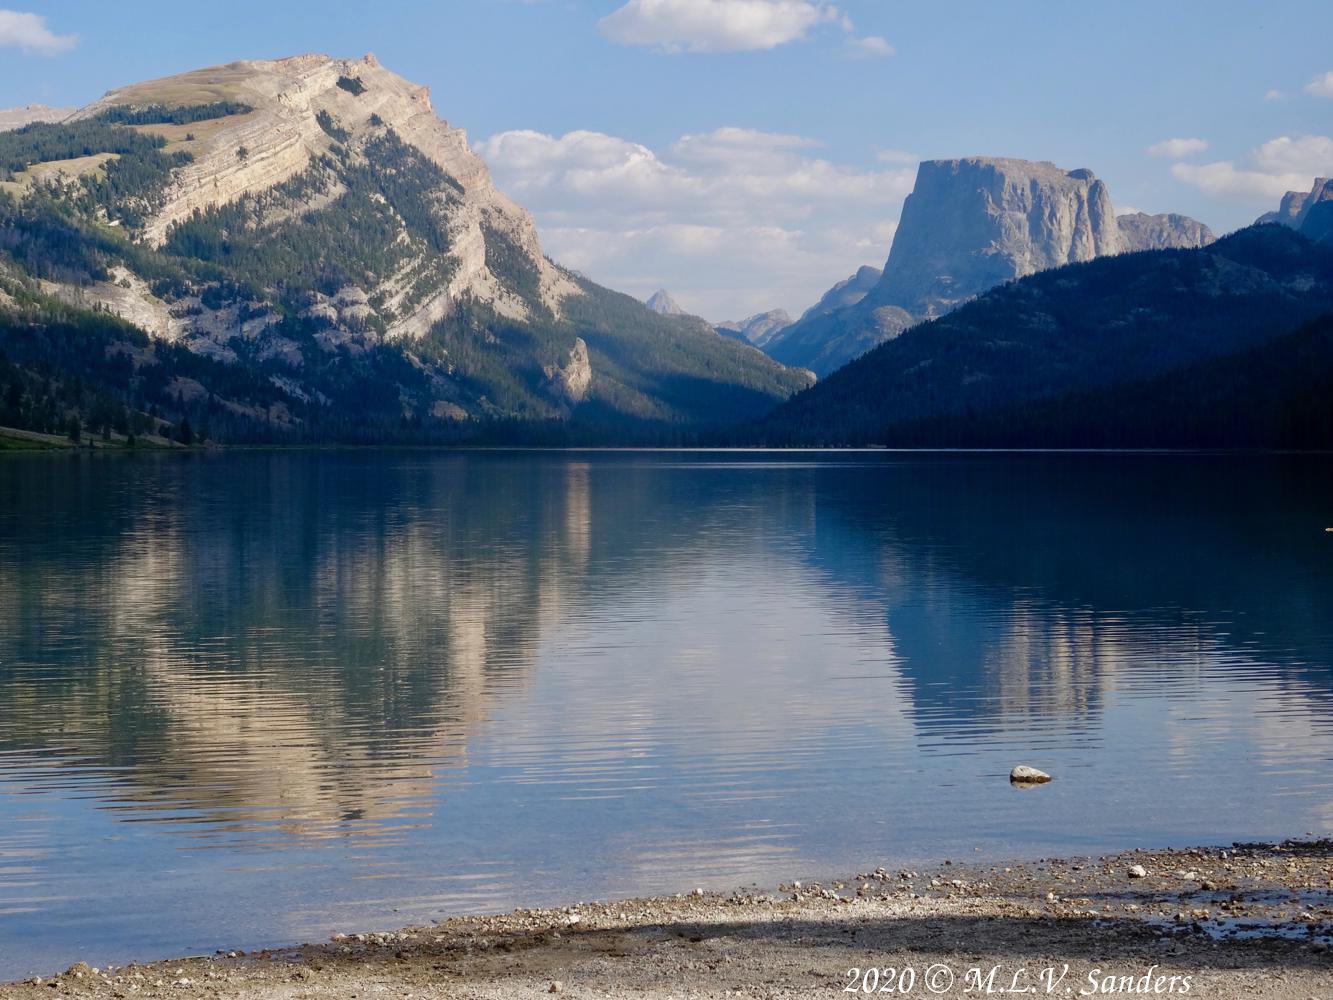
[(1177, 148), (1278, 166), (734, 221), (715, 25), (29, 32), (1274, 95), (1321, 86), (731, 25)]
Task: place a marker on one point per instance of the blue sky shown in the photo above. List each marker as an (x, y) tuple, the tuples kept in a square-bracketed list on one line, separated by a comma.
[(749, 153)]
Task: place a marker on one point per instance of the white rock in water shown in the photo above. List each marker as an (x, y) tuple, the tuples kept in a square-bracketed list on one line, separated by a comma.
[(1028, 775), (1137, 871)]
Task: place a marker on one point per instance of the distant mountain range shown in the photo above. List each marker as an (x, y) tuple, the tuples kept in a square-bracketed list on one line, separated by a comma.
[(1161, 347), (301, 250), (969, 225), (758, 329)]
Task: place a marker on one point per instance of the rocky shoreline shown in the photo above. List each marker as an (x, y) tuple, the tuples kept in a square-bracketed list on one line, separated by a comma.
[(1250, 920)]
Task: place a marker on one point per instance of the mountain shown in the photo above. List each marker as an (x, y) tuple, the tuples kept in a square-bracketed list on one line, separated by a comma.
[(302, 249), (969, 225), (1169, 231), (663, 304), (1078, 329), (847, 292), (1277, 395), (1296, 205), (1318, 224), (12, 118), (758, 329)]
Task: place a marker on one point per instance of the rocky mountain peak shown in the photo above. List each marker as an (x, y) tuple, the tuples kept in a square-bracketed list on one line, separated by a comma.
[(757, 329), (1296, 205), (973, 223), (663, 304), (1141, 231), (969, 225), (847, 292), (309, 108)]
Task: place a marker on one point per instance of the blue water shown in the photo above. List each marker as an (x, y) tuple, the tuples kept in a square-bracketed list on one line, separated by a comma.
[(254, 698)]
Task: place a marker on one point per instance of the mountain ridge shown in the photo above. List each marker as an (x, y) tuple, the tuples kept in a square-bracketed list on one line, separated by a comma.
[(1080, 328), (968, 225), (308, 250)]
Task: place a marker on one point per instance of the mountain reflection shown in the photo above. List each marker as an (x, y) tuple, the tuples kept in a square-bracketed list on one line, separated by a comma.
[(311, 644)]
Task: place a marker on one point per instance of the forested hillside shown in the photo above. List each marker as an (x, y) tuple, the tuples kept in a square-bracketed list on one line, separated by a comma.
[(1097, 354), (338, 270)]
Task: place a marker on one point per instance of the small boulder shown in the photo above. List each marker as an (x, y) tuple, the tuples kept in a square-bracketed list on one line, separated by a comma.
[(1024, 775), (1137, 871)]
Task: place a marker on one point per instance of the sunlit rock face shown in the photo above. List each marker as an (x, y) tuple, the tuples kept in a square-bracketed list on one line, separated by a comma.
[(971, 224), (1296, 205), (1168, 231), (304, 107)]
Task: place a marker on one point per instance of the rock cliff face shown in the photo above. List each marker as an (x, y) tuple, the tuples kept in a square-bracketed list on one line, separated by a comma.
[(1296, 205), (570, 383), (12, 118), (1140, 231), (969, 225), (758, 329)]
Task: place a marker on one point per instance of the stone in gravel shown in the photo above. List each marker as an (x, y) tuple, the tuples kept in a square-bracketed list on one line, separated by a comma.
[(1025, 775), (1137, 871)]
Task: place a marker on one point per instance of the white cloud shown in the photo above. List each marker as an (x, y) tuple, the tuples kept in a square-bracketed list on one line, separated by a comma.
[(29, 32), (1178, 148), (714, 25), (1278, 166), (717, 25), (733, 221), (1321, 86), (870, 47), (1274, 95)]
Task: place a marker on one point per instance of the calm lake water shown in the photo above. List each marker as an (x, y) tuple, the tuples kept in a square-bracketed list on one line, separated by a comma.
[(251, 699)]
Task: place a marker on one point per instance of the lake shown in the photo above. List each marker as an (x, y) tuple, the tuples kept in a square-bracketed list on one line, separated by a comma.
[(253, 698)]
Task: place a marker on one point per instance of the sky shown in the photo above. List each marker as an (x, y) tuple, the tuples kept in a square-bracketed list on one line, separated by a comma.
[(747, 154)]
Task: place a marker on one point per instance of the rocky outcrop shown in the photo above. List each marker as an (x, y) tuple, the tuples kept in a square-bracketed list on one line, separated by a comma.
[(663, 304), (12, 118), (1140, 231), (758, 329), (570, 382), (845, 293), (1296, 205)]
